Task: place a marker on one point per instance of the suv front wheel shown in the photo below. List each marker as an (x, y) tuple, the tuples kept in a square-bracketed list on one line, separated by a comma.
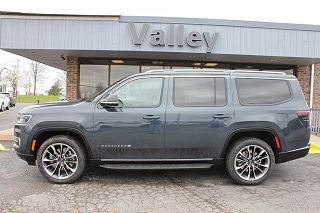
[(250, 161), (61, 159)]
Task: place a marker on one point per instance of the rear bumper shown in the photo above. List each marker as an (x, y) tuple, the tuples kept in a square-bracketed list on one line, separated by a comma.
[(294, 154)]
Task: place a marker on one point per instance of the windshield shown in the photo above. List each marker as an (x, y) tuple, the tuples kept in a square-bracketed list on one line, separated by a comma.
[(91, 98)]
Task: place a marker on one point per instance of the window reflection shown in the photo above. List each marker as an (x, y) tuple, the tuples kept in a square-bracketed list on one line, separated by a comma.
[(141, 93)]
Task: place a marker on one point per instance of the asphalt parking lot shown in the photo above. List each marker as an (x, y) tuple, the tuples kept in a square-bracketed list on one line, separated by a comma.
[(292, 187)]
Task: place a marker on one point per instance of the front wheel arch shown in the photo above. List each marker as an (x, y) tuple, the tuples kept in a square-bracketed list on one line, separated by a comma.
[(44, 134)]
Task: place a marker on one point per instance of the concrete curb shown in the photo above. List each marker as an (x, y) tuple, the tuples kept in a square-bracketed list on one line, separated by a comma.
[(314, 148), (7, 135)]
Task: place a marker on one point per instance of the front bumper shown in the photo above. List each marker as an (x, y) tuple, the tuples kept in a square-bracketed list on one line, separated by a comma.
[(292, 155), (30, 159), (22, 144)]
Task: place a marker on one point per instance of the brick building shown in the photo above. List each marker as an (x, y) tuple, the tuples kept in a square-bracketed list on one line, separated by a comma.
[(99, 50)]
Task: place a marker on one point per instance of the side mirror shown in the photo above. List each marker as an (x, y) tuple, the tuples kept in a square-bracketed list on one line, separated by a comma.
[(110, 101)]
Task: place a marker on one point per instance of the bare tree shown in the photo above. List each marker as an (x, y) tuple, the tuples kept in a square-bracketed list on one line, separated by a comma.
[(63, 80), (36, 70), (12, 78)]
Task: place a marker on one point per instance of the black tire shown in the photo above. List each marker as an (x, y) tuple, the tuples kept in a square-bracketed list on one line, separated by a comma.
[(235, 149), (1, 107), (75, 145), (7, 108)]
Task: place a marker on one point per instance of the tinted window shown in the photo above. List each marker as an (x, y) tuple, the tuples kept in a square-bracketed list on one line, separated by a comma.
[(262, 91), (145, 92), (199, 92)]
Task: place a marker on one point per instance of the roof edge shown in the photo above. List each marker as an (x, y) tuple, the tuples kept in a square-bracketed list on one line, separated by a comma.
[(8, 14), (170, 20), (221, 22)]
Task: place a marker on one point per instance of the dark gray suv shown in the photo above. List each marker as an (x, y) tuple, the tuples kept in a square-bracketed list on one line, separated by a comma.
[(171, 119)]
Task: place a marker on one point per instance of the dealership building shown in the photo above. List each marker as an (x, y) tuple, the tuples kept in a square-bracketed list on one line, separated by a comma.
[(97, 50)]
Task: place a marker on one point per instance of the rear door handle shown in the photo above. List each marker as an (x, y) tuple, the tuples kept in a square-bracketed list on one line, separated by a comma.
[(151, 117), (221, 116)]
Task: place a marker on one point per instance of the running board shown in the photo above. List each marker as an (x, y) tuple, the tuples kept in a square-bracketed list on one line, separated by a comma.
[(139, 166)]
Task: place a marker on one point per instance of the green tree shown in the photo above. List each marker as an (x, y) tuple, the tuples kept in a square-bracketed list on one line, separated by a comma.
[(55, 89)]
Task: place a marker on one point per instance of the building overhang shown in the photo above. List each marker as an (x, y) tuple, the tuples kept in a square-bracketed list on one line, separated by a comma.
[(57, 58)]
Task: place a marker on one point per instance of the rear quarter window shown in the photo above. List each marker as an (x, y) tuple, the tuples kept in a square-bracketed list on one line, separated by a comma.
[(252, 91)]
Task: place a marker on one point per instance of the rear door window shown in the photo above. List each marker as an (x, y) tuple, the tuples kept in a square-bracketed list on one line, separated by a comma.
[(199, 92), (253, 91)]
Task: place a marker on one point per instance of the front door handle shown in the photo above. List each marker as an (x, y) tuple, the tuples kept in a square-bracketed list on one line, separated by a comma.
[(151, 117), (220, 116)]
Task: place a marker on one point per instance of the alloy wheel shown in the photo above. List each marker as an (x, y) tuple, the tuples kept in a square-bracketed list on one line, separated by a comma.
[(252, 162), (60, 161)]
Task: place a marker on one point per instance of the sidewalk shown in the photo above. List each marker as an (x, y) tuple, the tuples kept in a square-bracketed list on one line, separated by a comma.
[(315, 139)]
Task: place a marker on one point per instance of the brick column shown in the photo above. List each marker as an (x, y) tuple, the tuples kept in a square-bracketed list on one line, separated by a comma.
[(73, 78), (316, 86), (304, 77)]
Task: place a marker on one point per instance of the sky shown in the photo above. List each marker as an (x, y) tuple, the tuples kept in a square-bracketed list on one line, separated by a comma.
[(284, 11)]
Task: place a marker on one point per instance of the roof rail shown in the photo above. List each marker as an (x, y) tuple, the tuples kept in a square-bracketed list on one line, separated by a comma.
[(186, 70), (259, 72), (206, 70)]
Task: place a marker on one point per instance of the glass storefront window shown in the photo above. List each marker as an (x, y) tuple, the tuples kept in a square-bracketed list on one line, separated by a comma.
[(147, 68), (93, 78), (121, 71), (179, 68), (96, 76)]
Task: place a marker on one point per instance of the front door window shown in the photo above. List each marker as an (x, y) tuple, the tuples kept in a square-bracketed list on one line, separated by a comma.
[(145, 92)]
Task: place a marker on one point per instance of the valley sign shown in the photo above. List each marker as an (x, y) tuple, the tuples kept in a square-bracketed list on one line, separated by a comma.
[(160, 38)]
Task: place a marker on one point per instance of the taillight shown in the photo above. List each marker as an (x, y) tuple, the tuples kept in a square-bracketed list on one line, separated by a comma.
[(303, 115)]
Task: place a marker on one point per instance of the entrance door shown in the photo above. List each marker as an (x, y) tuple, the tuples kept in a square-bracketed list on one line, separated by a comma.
[(134, 130), (198, 116)]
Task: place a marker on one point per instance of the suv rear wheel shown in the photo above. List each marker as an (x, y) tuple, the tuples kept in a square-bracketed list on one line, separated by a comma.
[(61, 159), (250, 161)]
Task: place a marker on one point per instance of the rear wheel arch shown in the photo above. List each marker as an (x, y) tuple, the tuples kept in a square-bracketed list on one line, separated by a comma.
[(265, 134), (44, 134)]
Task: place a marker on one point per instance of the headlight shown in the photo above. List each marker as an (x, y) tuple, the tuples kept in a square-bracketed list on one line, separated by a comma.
[(23, 119)]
